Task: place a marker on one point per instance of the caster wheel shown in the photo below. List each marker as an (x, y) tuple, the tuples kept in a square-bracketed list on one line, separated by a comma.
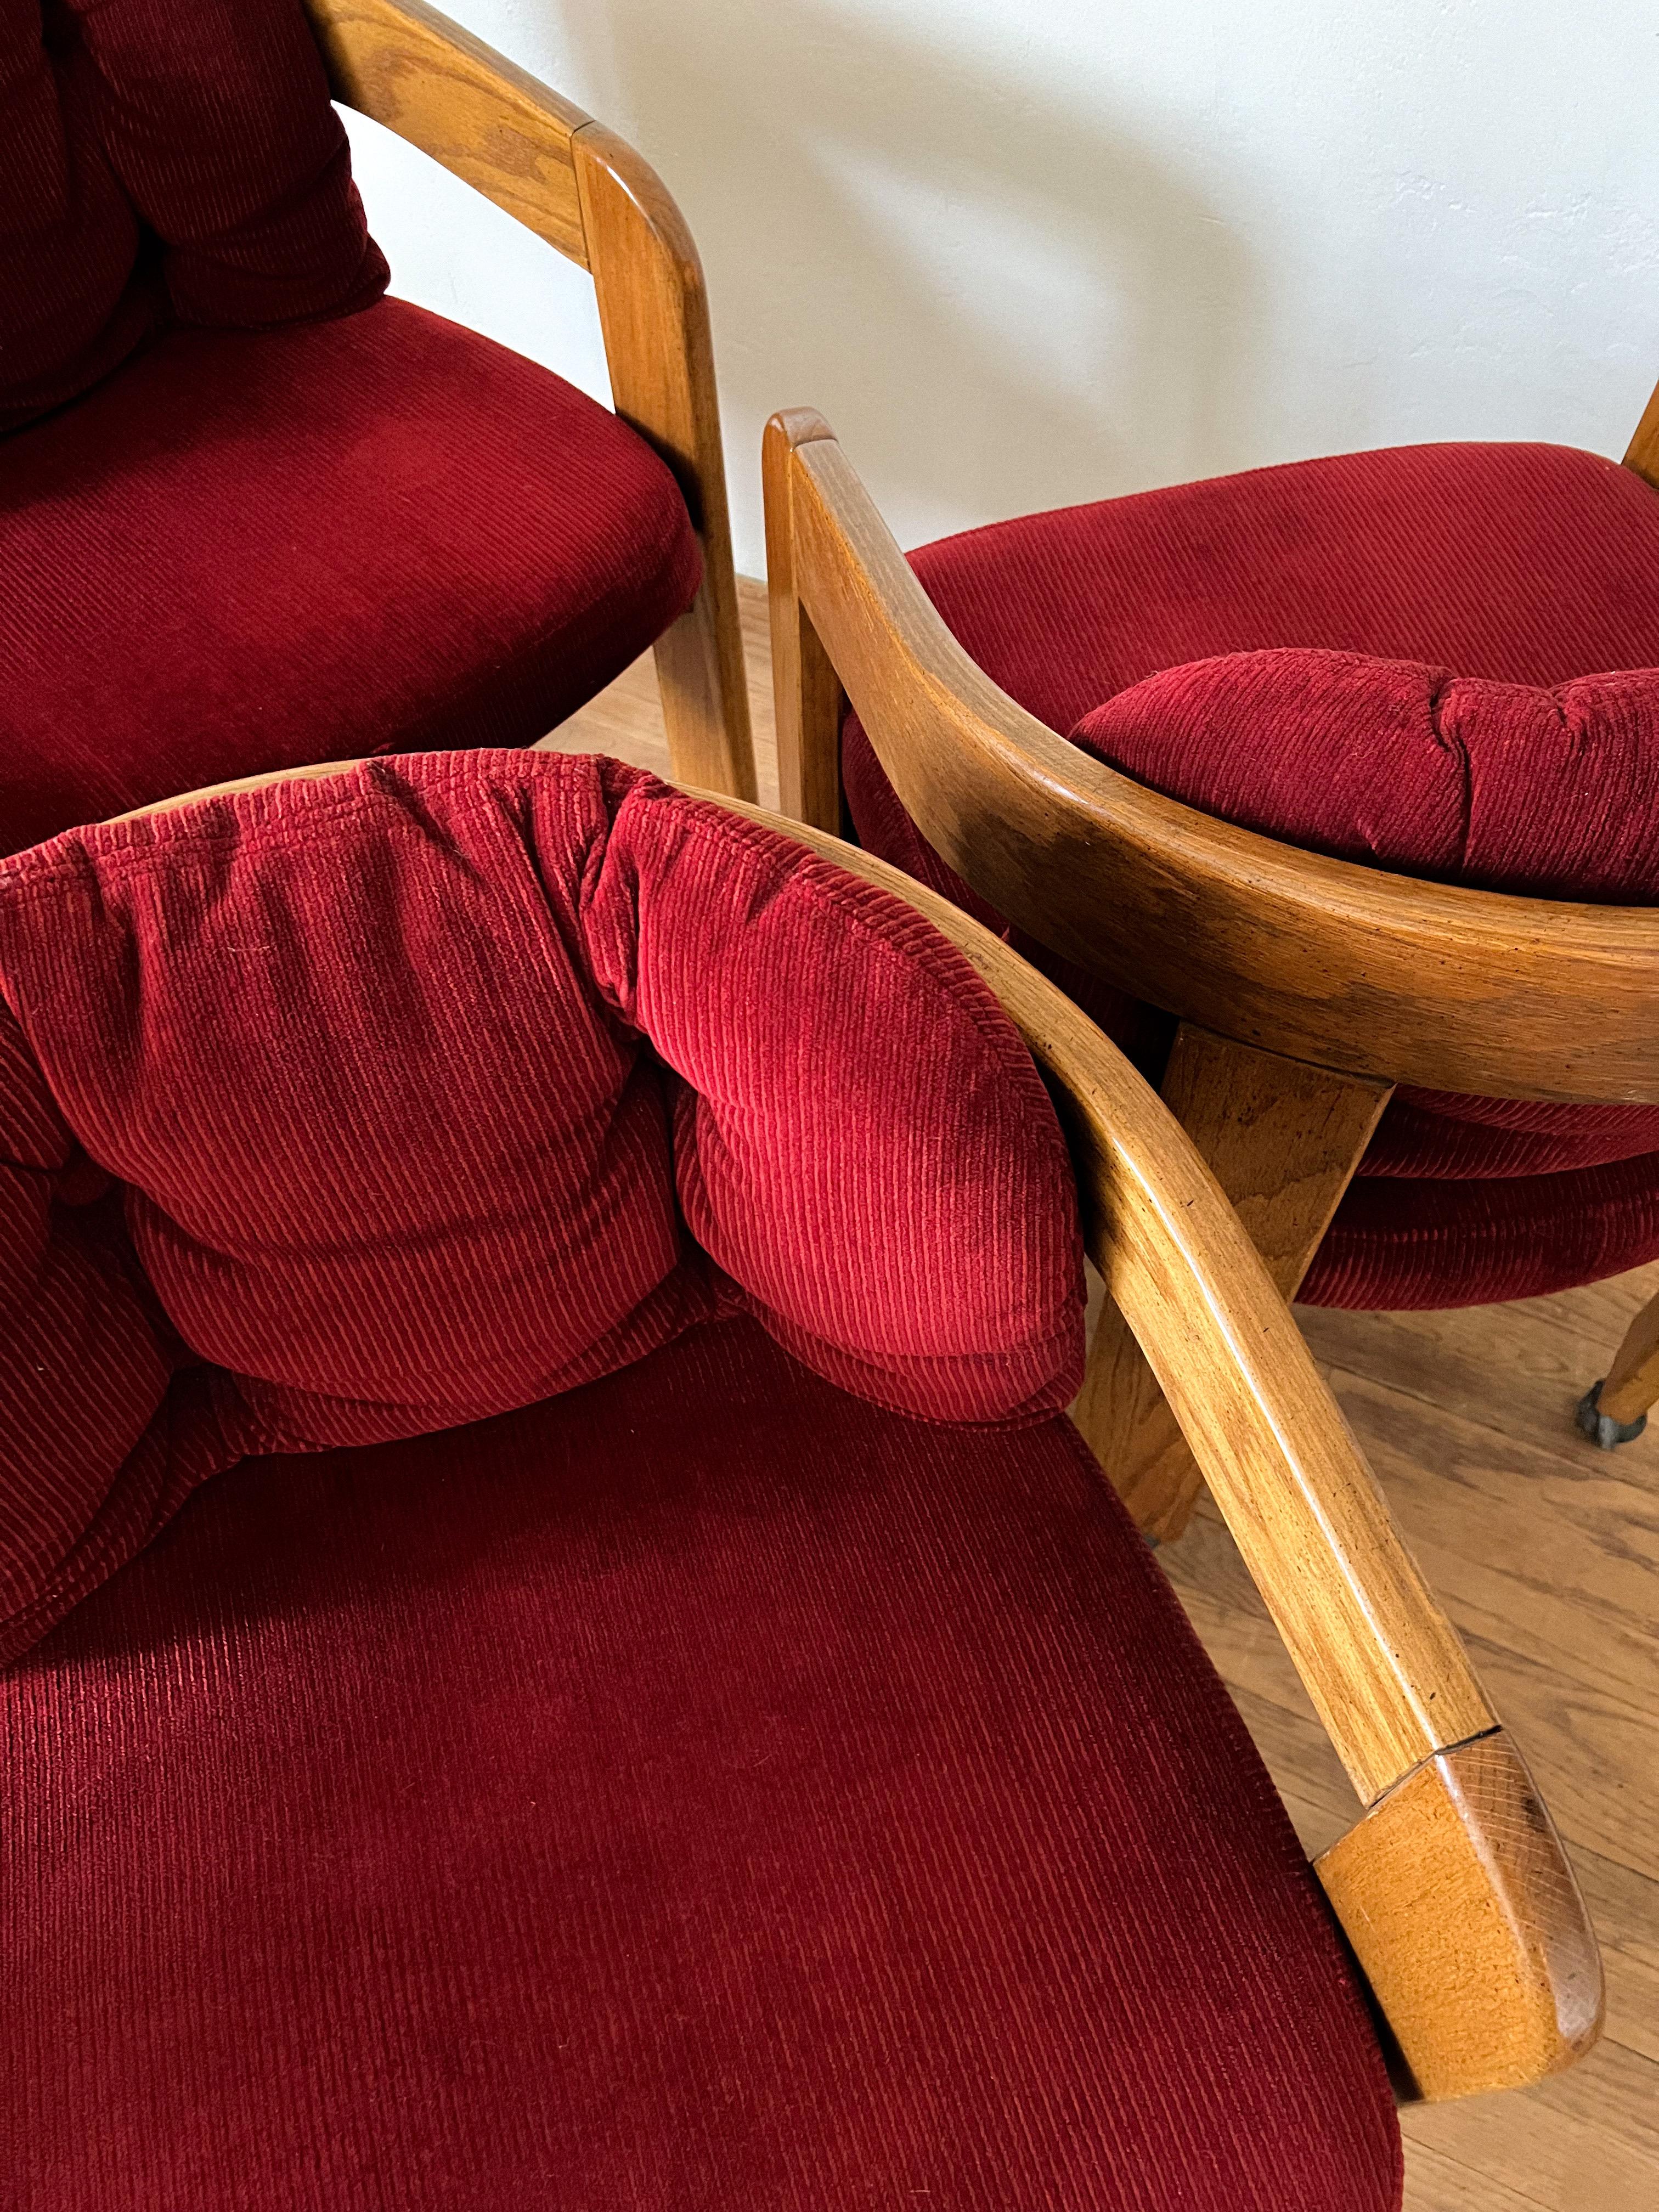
[(1600, 1428)]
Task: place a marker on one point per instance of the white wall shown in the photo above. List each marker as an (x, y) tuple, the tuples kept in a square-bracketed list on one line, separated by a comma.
[(1027, 252)]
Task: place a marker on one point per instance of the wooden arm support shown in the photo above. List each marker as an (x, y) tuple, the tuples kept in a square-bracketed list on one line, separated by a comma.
[(1454, 1889), (586, 192), (1486, 1969), (1344, 967)]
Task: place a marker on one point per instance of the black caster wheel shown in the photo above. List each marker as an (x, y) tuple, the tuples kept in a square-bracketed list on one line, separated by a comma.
[(1600, 1428)]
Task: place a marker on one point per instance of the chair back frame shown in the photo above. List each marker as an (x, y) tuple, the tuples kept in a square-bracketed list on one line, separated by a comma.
[(1453, 1886), (1305, 987), (586, 192)]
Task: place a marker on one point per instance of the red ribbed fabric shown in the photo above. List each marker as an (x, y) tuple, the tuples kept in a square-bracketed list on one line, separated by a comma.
[(215, 115), (103, 1428), (367, 1053), (69, 239), (861, 1140), (200, 128), (1520, 568), (248, 552), (1507, 787), (701, 1791)]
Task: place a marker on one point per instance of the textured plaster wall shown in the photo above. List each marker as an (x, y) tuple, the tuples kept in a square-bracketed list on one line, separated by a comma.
[(1022, 254)]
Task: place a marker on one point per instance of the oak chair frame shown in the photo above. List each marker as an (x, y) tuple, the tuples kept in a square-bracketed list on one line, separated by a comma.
[(1453, 1888), (1305, 988), (586, 192)]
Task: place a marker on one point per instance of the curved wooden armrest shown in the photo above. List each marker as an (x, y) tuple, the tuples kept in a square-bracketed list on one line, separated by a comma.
[(588, 193), (1323, 960), (1454, 1889)]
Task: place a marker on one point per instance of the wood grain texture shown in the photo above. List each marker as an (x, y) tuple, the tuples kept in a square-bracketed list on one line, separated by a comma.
[(1546, 1555), (1462, 1851), (1453, 1888), (1322, 960), (1642, 455), (588, 193), (1632, 1380), (487, 121), (810, 703), (1384, 1670), (626, 719), (1283, 1140), (653, 312)]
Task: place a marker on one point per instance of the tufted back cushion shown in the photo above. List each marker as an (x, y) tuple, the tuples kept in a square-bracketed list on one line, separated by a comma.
[(401, 1073), (203, 125), (1504, 786), (68, 238)]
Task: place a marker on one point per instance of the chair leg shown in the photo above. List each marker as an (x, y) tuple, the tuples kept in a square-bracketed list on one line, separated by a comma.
[(1283, 1139), (809, 700), (1616, 1409), (705, 694)]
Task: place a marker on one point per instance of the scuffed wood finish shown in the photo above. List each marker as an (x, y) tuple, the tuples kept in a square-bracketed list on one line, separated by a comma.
[(412, 70), (588, 193), (1463, 1910), (1632, 1382), (809, 701), (1283, 1140), (1643, 456), (1324, 960), (653, 312)]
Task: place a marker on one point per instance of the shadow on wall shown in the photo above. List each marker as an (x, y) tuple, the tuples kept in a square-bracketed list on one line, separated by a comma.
[(1000, 302)]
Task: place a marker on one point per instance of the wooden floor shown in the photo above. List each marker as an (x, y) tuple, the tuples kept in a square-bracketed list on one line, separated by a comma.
[(1547, 1553)]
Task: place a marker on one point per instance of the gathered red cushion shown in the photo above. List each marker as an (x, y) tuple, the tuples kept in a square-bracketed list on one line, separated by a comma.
[(861, 1140), (215, 115), (700, 1790), (1508, 787), (1363, 578), (69, 307), (105, 1424), (371, 1056)]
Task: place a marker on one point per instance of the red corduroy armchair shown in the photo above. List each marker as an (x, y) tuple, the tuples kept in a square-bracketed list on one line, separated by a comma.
[(254, 514), (562, 1649), (1354, 846)]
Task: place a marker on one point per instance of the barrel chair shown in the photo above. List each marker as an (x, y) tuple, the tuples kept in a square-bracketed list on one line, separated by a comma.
[(562, 1648), (1368, 901), (252, 512)]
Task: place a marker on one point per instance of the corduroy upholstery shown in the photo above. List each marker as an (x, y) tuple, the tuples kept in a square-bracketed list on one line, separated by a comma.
[(699, 1790), (164, 157), (354, 532), (1505, 565), (367, 1055), (68, 237), (248, 551), (702, 1787), (215, 115)]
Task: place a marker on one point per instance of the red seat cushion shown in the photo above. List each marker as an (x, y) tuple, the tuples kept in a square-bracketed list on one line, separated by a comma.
[(371, 1056), (250, 551), (1521, 565), (702, 1790)]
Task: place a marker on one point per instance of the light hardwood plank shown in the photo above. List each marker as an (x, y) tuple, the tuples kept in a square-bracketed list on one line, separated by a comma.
[(626, 720)]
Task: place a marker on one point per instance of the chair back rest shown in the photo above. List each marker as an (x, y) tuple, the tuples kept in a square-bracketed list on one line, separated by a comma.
[(346, 1107), (205, 125), (1319, 959)]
